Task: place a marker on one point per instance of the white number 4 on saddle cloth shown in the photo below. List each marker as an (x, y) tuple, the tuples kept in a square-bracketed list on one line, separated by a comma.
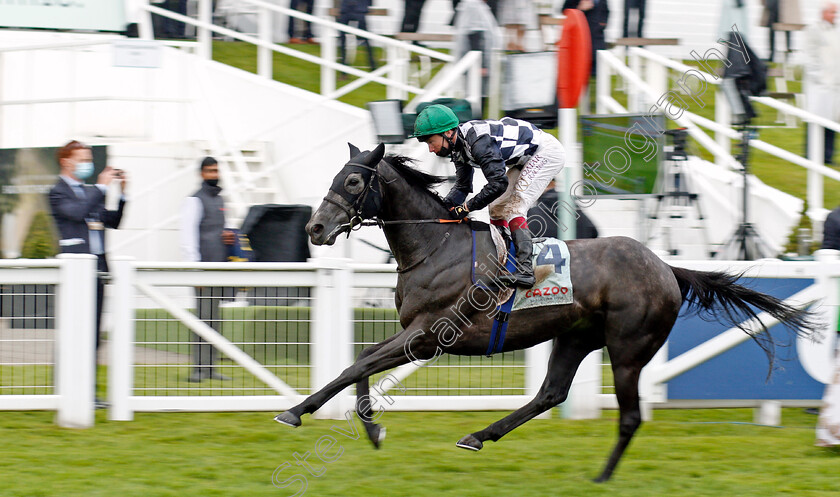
[(551, 268)]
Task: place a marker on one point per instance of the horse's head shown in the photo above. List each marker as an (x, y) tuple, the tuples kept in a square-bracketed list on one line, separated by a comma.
[(353, 196)]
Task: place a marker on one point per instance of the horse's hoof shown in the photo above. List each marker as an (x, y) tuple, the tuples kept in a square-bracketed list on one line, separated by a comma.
[(376, 434), (469, 442), (288, 419)]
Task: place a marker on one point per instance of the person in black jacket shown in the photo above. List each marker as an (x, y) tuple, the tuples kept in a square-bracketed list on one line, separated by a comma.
[(355, 11), (308, 6), (629, 30), (518, 161), (411, 16), (80, 215), (597, 14), (831, 230)]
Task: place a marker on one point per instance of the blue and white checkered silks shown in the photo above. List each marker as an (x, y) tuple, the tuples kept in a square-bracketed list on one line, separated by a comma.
[(518, 140)]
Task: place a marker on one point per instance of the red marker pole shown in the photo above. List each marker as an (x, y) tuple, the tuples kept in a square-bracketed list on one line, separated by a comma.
[(574, 52)]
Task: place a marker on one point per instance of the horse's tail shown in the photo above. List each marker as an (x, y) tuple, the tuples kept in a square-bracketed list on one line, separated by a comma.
[(716, 295)]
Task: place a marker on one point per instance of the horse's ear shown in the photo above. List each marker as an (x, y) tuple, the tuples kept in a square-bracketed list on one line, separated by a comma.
[(353, 150), (374, 157)]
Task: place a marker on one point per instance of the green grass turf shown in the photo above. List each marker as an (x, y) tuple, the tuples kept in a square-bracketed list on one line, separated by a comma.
[(684, 453)]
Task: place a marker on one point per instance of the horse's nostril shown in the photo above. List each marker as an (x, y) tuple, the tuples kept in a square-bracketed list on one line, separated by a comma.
[(317, 228)]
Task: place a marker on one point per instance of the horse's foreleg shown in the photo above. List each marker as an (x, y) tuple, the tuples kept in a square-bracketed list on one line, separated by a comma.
[(375, 432), (565, 358), (390, 355), (627, 392)]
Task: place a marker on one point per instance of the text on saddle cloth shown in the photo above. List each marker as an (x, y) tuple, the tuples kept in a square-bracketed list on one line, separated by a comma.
[(551, 261)]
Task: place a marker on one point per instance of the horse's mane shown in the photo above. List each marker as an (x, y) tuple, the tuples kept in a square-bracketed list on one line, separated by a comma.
[(422, 181)]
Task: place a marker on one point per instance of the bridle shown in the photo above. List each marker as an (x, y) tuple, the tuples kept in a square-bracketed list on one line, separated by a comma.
[(363, 210), (365, 206)]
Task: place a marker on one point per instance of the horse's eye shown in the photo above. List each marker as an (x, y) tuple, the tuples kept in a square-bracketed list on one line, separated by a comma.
[(354, 184)]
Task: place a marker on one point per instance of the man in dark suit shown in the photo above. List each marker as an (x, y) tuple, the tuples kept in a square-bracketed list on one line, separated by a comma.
[(597, 13), (80, 214), (411, 16), (633, 29)]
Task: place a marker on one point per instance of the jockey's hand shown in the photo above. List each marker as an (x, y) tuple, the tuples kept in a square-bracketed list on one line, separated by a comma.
[(459, 211)]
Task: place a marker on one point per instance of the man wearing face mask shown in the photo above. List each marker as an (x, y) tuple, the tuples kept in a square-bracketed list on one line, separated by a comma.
[(517, 159), (80, 213), (205, 239)]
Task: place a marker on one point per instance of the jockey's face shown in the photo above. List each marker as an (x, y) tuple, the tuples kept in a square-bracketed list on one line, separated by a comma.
[(438, 145)]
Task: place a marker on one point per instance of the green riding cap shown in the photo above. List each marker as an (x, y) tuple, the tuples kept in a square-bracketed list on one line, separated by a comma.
[(434, 119)]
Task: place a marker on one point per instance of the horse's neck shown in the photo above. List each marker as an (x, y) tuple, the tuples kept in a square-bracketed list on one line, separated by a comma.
[(401, 201)]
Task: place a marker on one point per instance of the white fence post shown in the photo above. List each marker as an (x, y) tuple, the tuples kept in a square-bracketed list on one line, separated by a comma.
[(204, 36), (144, 24), (75, 340), (584, 400), (656, 75), (264, 54), (650, 391), (816, 152), (536, 367), (573, 171), (603, 82), (474, 86), (332, 331), (723, 116), (494, 83), (398, 58), (121, 341), (635, 98), (328, 42)]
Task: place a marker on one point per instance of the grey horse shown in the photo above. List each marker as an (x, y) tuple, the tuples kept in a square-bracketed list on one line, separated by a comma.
[(625, 299)]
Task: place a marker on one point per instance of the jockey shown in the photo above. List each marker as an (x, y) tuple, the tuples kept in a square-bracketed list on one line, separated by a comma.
[(517, 159)]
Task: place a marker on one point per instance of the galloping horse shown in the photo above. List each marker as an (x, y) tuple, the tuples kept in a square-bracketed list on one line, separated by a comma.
[(625, 298)]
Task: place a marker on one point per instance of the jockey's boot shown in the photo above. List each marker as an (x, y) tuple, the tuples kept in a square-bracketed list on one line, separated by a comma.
[(523, 277)]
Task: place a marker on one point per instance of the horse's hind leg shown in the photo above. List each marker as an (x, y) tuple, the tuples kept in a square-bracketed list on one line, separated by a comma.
[(628, 358), (566, 356), (627, 392)]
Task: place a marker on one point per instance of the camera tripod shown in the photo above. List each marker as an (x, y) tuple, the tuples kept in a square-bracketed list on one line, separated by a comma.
[(745, 243), (671, 205)]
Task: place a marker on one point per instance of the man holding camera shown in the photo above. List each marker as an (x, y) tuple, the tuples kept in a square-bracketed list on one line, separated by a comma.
[(80, 213)]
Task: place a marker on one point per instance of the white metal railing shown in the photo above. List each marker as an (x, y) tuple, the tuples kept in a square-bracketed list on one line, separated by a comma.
[(652, 94), (328, 315), (398, 51)]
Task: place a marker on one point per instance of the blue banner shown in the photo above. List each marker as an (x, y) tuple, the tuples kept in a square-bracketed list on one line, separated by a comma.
[(741, 372)]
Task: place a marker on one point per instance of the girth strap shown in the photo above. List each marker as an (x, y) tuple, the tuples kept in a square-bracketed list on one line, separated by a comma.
[(500, 323)]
